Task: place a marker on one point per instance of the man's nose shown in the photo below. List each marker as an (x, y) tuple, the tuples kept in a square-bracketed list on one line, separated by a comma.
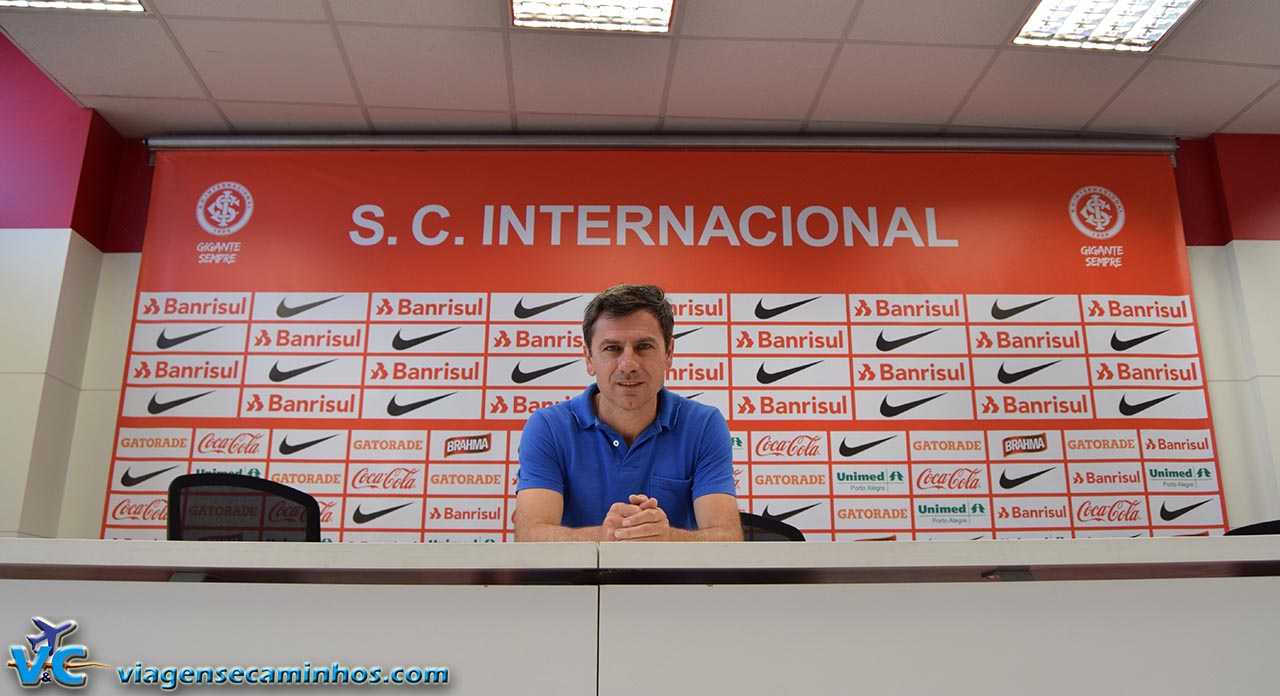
[(629, 360)]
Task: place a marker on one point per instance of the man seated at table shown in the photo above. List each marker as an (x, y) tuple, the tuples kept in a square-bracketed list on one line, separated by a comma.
[(627, 460)]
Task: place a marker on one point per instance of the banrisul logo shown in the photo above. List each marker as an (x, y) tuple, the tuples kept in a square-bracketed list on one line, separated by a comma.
[(224, 208), (1097, 212), (48, 659)]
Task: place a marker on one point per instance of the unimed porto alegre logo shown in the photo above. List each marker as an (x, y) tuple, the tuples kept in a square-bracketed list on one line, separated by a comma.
[(1097, 212), (224, 208), (48, 658)]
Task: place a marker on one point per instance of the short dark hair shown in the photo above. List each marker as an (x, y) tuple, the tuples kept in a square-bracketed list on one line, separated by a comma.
[(624, 300)]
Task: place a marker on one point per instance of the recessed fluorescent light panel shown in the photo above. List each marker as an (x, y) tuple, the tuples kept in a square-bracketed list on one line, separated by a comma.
[(1112, 25), (104, 5), (648, 16)]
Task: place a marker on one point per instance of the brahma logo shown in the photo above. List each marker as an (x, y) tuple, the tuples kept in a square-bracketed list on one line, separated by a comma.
[(1097, 212), (48, 660), (224, 208), (1025, 444), (468, 444)]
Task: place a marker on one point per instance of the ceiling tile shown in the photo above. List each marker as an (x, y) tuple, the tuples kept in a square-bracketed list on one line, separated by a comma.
[(428, 68), (971, 22), (139, 118), (243, 9), (590, 74), (1174, 97), (250, 117), (870, 128), (899, 84), (392, 120), (93, 54), (1236, 31), (483, 14), (1046, 88), (265, 61), (726, 125), (1263, 117), (794, 19), (747, 79), (574, 123)]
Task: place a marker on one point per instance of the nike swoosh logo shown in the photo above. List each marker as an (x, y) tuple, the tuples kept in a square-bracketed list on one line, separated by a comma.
[(399, 342), (884, 345), (682, 334), (278, 375), (1128, 409), (847, 451), (1007, 377), (164, 342), (1117, 344), (287, 449), (764, 376), (763, 312), (361, 517), (520, 376), (1007, 483), (1000, 314), (398, 409), (128, 480), (890, 411), (284, 311), (155, 408), (523, 312), (784, 515), (1170, 515)]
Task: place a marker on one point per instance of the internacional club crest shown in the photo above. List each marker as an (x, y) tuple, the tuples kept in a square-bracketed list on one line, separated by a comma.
[(1097, 212), (224, 208)]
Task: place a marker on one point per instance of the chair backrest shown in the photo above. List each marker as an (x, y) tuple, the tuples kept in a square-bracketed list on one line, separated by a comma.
[(757, 528), (234, 507), (1268, 527)]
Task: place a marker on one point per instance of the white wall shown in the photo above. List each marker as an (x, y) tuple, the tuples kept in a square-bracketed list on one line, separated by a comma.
[(1234, 287), (48, 279), (91, 446)]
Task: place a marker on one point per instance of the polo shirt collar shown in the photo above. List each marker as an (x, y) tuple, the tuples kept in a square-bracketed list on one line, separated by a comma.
[(585, 415)]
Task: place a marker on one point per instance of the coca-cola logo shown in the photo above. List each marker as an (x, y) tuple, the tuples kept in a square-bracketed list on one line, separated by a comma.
[(285, 511), (326, 510), (401, 478), (1124, 510), (798, 446), (240, 443), (961, 479), (154, 510)]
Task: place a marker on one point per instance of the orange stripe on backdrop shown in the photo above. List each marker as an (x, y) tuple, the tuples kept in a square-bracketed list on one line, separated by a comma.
[(793, 248), (1005, 214)]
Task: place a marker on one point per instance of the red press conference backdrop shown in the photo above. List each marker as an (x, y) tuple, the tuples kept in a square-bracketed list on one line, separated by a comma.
[(907, 346)]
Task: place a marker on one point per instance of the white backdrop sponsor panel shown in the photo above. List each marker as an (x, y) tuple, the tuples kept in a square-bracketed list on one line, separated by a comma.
[(893, 361)]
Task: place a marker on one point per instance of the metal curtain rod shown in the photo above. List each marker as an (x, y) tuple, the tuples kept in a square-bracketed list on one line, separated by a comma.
[(660, 142)]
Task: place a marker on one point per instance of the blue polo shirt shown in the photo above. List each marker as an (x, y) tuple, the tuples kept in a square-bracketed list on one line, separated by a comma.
[(684, 454)]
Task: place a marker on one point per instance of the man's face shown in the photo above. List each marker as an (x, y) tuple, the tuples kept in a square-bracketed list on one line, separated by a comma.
[(629, 360)]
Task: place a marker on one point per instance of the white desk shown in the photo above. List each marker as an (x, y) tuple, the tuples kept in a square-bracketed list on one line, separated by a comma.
[(1168, 616)]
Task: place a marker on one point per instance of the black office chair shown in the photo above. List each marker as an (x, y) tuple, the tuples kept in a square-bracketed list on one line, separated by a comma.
[(757, 528), (234, 507), (1268, 527)]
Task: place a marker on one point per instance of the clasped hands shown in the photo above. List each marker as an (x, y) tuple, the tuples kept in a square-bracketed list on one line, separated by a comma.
[(640, 519)]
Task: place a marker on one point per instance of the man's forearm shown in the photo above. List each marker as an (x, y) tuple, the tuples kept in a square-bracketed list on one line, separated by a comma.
[(733, 533), (555, 532)]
